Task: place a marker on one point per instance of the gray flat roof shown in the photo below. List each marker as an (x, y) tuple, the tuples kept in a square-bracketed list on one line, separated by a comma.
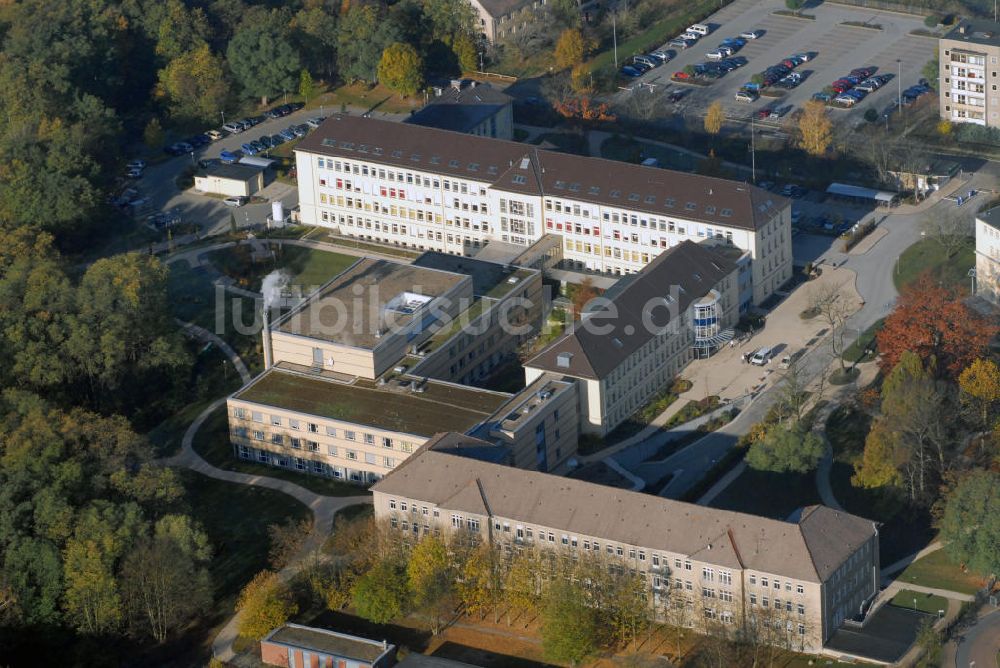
[(233, 172), (976, 31), (366, 298)]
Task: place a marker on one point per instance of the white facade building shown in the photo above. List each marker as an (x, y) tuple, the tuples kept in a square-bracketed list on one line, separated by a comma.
[(431, 189)]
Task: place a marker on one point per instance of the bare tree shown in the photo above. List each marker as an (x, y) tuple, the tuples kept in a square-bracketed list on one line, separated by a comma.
[(830, 304), (950, 229)]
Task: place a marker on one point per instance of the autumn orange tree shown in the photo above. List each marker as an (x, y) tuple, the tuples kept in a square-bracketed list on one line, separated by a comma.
[(931, 320), (582, 294), (584, 109)]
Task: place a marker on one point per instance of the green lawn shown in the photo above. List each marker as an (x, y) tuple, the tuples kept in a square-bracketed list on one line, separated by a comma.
[(856, 351), (236, 518), (928, 255), (630, 150), (212, 443), (774, 495), (937, 570), (307, 267), (914, 600), (373, 248)]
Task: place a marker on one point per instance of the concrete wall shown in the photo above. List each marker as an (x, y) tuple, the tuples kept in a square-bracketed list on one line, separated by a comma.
[(229, 187)]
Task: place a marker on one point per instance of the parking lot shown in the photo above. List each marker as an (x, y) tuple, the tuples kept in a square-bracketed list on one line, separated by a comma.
[(838, 49)]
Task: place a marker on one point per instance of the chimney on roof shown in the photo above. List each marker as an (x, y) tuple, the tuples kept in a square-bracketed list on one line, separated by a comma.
[(964, 28), (456, 84), (473, 83)]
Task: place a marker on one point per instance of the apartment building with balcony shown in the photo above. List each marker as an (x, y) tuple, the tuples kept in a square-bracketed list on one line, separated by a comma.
[(805, 575), (430, 189), (988, 255), (970, 60), (643, 334)]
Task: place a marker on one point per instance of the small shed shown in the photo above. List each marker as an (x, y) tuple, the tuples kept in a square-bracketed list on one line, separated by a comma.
[(297, 646), (230, 180)]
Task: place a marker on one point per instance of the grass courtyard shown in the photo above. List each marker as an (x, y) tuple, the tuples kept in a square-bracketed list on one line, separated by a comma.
[(306, 267), (939, 571), (929, 255), (915, 600)]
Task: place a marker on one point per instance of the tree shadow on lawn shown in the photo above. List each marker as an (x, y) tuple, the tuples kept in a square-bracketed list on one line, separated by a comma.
[(482, 657), (415, 640)]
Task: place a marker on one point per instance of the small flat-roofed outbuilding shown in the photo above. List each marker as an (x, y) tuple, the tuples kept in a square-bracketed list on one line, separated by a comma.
[(230, 180)]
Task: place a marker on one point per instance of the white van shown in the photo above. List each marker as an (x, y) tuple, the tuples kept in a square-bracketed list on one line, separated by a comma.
[(699, 28), (761, 357)]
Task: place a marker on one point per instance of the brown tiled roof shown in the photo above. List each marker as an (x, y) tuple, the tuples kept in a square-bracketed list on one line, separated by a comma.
[(808, 550), (531, 170), (684, 273)]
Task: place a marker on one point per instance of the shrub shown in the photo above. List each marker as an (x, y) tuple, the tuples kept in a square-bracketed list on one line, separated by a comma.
[(932, 21), (871, 115)]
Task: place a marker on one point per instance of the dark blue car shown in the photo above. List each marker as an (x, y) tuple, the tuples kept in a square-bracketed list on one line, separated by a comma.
[(630, 71)]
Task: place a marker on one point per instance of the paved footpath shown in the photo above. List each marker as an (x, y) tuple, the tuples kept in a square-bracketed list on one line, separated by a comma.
[(324, 508)]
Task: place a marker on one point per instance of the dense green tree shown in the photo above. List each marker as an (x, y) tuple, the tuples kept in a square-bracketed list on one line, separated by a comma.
[(124, 330), (450, 18), (315, 33), (569, 627), (307, 89), (401, 69), (263, 59), (194, 85), (566, 12), (465, 50), (429, 576), (181, 30), (786, 450), (970, 525), (361, 39), (380, 595), (33, 570)]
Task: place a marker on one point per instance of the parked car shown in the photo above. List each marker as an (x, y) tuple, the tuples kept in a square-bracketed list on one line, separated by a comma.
[(677, 95), (259, 147), (691, 36), (214, 135), (265, 141), (136, 164), (764, 112), (663, 56), (727, 65), (315, 122), (277, 140), (295, 106), (806, 56), (646, 60), (630, 71), (716, 55), (735, 42), (681, 75), (248, 149), (863, 72), (233, 127), (641, 66), (134, 173), (751, 34), (228, 157), (204, 163), (680, 43), (739, 60), (746, 96), (179, 148), (235, 201), (300, 130)]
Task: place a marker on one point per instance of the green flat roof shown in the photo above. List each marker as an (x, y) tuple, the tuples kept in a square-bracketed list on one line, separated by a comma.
[(440, 407)]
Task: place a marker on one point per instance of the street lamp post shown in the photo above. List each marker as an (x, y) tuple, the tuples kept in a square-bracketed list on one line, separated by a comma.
[(899, 87), (223, 117)]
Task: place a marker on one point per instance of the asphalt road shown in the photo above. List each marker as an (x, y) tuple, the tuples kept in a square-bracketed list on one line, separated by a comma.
[(875, 285), (979, 646)]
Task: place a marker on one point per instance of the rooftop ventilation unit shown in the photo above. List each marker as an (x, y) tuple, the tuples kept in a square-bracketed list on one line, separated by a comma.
[(563, 360)]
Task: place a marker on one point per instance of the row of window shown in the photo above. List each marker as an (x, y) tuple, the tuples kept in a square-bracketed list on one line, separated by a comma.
[(313, 446), (767, 582), (302, 465), (405, 177), (347, 434)]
